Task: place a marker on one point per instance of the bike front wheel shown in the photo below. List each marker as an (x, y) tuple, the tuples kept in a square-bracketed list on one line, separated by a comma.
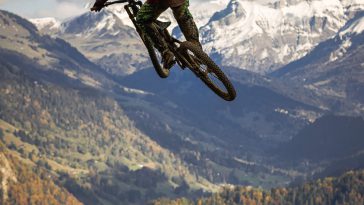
[(207, 70), (155, 57)]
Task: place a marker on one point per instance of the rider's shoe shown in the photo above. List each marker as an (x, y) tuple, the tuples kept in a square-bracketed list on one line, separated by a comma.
[(168, 59), (161, 45)]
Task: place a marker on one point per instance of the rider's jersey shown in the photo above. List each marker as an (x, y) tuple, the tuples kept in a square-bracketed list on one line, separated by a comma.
[(168, 3)]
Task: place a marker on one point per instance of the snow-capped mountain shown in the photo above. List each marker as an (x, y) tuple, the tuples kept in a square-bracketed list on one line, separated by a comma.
[(201, 11), (109, 38), (47, 25), (259, 35), (263, 35), (334, 69), (345, 37), (106, 40), (104, 24)]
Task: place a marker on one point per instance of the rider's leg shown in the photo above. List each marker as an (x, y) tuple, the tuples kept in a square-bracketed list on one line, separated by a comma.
[(145, 17), (186, 23)]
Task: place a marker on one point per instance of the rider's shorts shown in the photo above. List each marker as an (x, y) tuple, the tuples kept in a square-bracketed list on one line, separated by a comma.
[(149, 12)]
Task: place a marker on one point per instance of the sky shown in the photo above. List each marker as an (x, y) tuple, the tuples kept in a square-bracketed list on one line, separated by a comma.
[(45, 8), (60, 9)]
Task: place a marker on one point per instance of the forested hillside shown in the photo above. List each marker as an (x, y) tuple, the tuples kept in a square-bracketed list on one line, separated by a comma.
[(85, 138), (73, 131), (28, 183), (57, 110), (346, 189)]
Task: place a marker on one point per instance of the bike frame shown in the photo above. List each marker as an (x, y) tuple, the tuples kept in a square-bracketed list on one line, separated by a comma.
[(132, 8), (196, 61)]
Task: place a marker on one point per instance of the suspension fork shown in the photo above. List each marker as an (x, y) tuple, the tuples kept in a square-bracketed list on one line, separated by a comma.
[(132, 10)]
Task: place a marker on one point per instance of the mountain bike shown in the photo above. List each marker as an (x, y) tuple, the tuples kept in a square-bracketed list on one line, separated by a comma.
[(187, 54)]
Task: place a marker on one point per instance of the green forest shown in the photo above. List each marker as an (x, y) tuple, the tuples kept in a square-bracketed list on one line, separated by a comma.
[(24, 184), (347, 189)]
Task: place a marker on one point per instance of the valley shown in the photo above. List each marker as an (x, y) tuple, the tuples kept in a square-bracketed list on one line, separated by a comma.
[(80, 103)]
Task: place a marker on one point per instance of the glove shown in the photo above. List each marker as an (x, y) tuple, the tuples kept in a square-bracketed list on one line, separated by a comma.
[(99, 4)]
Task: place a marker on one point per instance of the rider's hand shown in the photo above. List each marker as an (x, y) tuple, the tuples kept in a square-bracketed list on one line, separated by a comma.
[(99, 4)]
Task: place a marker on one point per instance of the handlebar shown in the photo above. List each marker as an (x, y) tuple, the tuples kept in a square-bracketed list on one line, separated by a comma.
[(110, 3)]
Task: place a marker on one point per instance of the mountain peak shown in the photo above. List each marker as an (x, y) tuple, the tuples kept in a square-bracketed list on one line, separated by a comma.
[(47, 24), (102, 23), (262, 36)]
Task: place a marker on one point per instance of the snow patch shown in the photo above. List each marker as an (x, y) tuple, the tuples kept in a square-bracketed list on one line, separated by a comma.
[(357, 27), (48, 22), (136, 91), (264, 54), (244, 29), (340, 52), (282, 111), (120, 12)]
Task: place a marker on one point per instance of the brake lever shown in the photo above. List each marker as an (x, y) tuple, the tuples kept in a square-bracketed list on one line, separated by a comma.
[(108, 4)]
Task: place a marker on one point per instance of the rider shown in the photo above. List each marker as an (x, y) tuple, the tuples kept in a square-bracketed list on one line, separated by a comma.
[(151, 10)]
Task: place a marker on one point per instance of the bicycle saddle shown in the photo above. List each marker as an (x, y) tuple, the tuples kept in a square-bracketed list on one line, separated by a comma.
[(163, 25)]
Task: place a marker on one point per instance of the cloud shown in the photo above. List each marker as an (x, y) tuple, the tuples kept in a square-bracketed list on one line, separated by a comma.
[(75, 1), (64, 9)]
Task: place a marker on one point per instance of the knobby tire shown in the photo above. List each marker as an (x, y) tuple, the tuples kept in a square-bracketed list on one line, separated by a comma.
[(204, 59), (161, 71)]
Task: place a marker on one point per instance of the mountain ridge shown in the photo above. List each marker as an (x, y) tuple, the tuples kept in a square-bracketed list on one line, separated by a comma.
[(333, 69), (269, 35), (66, 110), (262, 36), (135, 138)]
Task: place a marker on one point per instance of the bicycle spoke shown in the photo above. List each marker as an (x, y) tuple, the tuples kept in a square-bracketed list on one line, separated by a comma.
[(210, 75), (158, 55), (217, 81), (203, 66), (199, 64), (214, 74)]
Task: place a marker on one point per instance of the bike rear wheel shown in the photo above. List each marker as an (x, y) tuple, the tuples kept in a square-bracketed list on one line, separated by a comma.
[(207, 70), (155, 57)]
